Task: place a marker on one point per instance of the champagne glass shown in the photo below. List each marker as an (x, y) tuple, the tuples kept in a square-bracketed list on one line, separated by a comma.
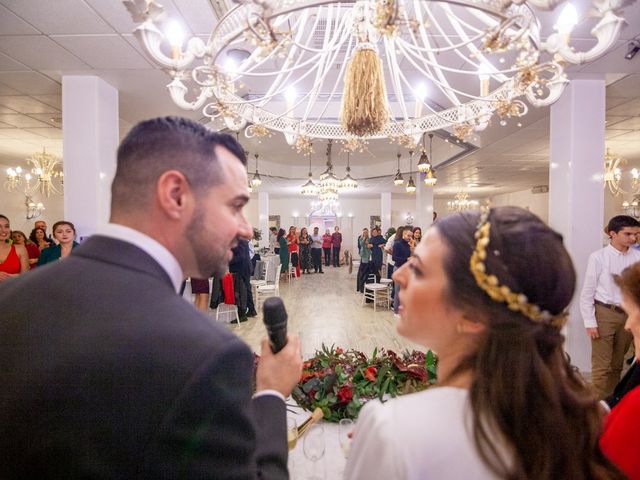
[(344, 432), (314, 446), (292, 433)]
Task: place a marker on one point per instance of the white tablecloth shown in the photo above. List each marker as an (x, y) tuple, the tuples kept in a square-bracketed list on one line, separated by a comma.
[(331, 466)]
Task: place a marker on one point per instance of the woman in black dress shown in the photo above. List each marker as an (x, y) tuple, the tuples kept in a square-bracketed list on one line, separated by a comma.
[(305, 251)]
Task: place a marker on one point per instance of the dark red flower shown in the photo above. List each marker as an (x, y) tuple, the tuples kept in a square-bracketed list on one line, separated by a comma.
[(371, 373), (345, 394), (339, 350)]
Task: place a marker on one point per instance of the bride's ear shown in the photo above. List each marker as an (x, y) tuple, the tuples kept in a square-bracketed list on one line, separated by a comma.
[(466, 326)]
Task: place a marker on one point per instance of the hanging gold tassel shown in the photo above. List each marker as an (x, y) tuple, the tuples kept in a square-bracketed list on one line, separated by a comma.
[(364, 100)]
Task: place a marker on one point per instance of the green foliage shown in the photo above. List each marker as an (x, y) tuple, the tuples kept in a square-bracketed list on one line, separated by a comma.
[(341, 382)]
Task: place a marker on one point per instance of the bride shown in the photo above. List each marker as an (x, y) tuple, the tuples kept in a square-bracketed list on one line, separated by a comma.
[(488, 293)]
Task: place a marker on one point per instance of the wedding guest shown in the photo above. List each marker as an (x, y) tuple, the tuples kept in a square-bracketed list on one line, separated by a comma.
[(619, 441), (200, 288), (305, 250), (14, 259), (43, 225), (336, 242), (435, 217), (402, 250), (284, 250), (240, 265), (65, 235), (273, 240), (364, 250), (388, 248), (507, 404), (600, 300), (39, 237), (377, 244), (33, 251), (326, 247), (417, 235), (294, 249), (316, 250)]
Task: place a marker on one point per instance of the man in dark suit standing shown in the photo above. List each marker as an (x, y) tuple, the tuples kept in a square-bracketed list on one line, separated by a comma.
[(109, 373)]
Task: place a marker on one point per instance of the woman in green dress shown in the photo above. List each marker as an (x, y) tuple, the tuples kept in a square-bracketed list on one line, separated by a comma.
[(284, 250)]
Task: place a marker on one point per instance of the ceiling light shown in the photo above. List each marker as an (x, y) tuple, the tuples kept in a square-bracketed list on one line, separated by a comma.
[(411, 186), (398, 180)]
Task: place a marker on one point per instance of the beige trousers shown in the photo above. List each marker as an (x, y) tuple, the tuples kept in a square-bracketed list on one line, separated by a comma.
[(607, 351)]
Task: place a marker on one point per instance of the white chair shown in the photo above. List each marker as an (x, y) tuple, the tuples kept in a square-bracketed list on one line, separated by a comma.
[(261, 280), (388, 282), (377, 292), (268, 290), (226, 308), (293, 271)]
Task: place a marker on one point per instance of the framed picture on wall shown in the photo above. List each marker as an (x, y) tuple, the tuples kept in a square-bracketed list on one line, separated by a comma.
[(274, 221), (375, 221)]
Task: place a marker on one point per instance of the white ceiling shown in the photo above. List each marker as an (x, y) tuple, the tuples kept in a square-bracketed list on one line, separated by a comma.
[(42, 40)]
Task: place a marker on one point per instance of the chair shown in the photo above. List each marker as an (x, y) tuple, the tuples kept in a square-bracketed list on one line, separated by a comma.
[(292, 268), (268, 290), (261, 278), (377, 292), (226, 308)]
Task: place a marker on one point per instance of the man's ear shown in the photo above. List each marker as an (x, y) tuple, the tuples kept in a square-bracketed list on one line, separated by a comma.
[(174, 194)]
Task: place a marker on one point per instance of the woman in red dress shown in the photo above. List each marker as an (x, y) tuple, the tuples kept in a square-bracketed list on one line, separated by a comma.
[(619, 441), (14, 259), (294, 249)]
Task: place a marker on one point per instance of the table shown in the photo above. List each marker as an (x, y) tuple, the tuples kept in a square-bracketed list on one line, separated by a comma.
[(331, 466), (274, 263)]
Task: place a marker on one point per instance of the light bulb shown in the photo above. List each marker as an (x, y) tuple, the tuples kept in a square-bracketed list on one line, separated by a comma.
[(567, 20), (175, 35)]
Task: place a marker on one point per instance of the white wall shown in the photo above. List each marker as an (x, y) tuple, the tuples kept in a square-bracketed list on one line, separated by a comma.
[(537, 203), (12, 205)]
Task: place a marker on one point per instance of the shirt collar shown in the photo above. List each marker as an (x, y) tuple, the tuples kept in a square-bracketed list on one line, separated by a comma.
[(155, 249), (613, 249)]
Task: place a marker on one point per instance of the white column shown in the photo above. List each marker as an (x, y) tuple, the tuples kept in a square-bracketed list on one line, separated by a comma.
[(90, 142), (385, 211), (263, 217), (576, 196), (424, 203)]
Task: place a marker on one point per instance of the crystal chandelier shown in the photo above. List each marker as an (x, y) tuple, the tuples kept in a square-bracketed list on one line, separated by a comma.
[(398, 181), (34, 210), (462, 203), (430, 178), (633, 207), (479, 58), (46, 171), (348, 182), (256, 181), (411, 186), (329, 183), (424, 165)]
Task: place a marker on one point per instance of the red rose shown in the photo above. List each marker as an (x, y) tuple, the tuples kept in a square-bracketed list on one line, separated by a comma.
[(345, 394), (339, 350), (371, 373), (306, 376)]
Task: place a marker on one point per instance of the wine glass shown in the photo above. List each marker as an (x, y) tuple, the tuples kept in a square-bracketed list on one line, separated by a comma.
[(344, 432), (314, 446), (292, 433)]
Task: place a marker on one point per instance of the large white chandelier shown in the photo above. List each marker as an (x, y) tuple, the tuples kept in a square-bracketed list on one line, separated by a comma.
[(46, 174), (298, 53), (462, 203)]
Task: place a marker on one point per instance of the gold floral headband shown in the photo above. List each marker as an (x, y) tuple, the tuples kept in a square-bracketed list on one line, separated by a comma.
[(516, 302)]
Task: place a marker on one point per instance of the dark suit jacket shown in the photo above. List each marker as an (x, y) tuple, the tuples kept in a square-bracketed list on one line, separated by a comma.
[(630, 381), (108, 373)]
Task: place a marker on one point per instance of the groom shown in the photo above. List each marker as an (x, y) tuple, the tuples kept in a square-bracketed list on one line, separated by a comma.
[(108, 373)]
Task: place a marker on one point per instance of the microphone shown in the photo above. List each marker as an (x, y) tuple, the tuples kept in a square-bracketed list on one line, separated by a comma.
[(275, 320)]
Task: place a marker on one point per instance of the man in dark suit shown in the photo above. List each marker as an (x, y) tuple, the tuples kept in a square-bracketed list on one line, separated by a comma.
[(108, 373)]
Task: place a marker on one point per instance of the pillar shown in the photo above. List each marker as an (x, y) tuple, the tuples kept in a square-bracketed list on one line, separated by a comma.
[(385, 211), (576, 195), (263, 218), (424, 203), (90, 142)]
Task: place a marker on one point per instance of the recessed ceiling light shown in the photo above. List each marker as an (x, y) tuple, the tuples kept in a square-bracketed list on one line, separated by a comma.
[(471, 185)]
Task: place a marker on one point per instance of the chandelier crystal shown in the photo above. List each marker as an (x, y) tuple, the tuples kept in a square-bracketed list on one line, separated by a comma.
[(479, 58), (348, 182)]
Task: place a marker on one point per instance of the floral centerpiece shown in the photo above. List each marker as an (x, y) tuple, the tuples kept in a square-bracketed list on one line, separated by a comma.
[(340, 381)]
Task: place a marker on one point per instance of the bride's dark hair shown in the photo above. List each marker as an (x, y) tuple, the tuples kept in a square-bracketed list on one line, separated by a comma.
[(524, 394)]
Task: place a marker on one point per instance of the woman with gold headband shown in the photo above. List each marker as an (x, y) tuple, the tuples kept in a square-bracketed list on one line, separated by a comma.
[(488, 293)]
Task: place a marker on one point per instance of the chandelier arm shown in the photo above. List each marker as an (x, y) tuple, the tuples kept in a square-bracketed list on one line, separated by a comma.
[(395, 80), (151, 38), (606, 32), (438, 73), (473, 49)]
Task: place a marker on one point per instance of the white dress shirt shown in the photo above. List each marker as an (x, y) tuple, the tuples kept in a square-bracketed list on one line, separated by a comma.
[(598, 283), (144, 242), (389, 246)]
